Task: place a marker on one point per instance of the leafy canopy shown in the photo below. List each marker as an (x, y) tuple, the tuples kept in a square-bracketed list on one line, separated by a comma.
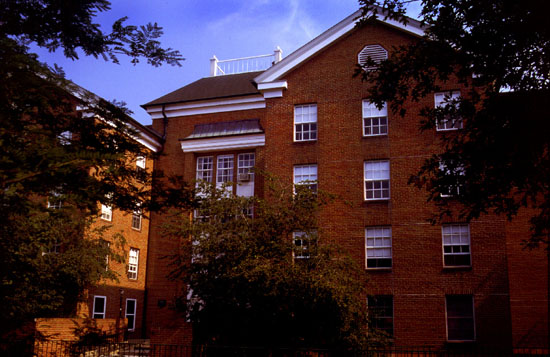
[(70, 26), (248, 284), (63, 153), (497, 53)]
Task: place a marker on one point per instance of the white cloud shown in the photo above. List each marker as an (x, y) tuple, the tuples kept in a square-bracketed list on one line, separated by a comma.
[(266, 24)]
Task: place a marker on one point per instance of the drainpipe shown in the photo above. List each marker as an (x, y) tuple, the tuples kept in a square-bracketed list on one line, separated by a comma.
[(164, 121)]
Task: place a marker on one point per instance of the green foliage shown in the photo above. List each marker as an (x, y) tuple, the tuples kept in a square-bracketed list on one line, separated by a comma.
[(244, 288), (498, 52), (63, 145), (70, 25), (48, 257)]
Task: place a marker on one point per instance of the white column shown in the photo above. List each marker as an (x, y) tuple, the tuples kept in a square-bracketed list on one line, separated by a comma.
[(213, 66), (278, 54)]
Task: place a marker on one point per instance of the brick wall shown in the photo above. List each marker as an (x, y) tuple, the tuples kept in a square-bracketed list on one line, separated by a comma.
[(164, 325), (528, 285), (66, 329), (417, 281), (117, 292)]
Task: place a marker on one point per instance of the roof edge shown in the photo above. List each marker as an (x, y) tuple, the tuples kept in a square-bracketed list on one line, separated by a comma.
[(324, 40)]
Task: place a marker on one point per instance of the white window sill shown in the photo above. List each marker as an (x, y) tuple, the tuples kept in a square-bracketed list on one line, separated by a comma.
[(374, 135)]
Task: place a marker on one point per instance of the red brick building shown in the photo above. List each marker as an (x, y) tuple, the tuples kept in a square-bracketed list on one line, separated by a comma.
[(305, 118), (125, 298)]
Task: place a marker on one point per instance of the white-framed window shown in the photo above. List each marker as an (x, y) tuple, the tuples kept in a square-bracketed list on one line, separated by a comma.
[(105, 244), (140, 162), (460, 318), (375, 121), (100, 306), (133, 262), (375, 53), (131, 308), (65, 137), (245, 164), (205, 168), (377, 180), (380, 311), (441, 99), (106, 213), (224, 171), (136, 220), (301, 245), (456, 245), (454, 174), (53, 248), (378, 247), (54, 203), (305, 122), (306, 176), (140, 168)]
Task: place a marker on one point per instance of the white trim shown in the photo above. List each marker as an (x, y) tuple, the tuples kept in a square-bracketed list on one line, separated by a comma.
[(133, 265), (134, 314), (273, 85), (324, 40), (367, 237), (365, 180), (272, 89), (104, 307), (223, 143), (106, 213), (207, 107), (148, 141), (443, 226)]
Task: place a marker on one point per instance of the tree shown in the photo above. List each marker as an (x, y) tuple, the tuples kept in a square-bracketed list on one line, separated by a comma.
[(64, 151), (249, 284), (499, 53)]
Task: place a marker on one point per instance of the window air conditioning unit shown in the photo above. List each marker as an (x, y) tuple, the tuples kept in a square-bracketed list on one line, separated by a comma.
[(244, 177)]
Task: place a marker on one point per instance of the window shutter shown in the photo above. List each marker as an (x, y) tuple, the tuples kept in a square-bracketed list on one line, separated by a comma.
[(376, 52)]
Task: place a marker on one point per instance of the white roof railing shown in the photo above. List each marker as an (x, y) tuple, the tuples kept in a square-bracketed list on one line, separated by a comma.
[(244, 64)]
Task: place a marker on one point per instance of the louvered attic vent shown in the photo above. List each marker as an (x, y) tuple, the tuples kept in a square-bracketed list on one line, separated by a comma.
[(376, 52)]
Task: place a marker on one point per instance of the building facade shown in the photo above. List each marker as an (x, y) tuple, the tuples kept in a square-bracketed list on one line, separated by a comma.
[(125, 298), (306, 118)]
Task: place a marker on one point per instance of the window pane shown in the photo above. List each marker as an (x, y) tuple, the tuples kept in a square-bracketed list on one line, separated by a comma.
[(380, 308), (374, 119), (456, 245), (378, 247), (204, 168), (305, 122), (225, 169), (460, 318)]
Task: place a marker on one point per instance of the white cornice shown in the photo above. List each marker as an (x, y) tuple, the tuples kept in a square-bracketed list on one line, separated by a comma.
[(272, 85), (223, 143), (207, 106), (143, 137), (272, 89), (276, 72), (148, 141)]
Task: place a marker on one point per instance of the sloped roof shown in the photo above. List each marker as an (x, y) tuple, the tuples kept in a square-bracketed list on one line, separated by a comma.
[(146, 135), (239, 127), (233, 85)]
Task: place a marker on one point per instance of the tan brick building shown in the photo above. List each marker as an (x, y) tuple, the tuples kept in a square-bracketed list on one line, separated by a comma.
[(304, 118)]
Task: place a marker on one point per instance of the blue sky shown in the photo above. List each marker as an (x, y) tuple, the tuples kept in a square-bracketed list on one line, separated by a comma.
[(198, 29)]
